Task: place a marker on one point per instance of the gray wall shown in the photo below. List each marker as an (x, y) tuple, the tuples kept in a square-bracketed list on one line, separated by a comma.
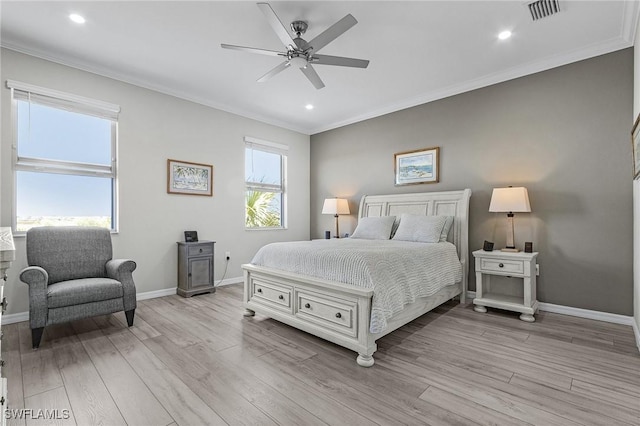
[(152, 128), (562, 133)]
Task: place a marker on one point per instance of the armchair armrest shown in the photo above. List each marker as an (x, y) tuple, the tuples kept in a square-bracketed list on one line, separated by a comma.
[(34, 276), (122, 270), (37, 279)]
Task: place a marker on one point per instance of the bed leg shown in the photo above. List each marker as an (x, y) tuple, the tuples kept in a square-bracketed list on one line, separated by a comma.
[(365, 360), (249, 313)]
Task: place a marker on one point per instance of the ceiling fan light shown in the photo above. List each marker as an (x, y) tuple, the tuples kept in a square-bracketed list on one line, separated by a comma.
[(298, 62)]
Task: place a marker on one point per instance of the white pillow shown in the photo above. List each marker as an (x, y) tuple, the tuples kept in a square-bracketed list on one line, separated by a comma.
[(423, 229), (374, 228)]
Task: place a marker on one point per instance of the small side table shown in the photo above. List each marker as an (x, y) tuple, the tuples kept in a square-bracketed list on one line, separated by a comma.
[(195, 268), (518, 265)]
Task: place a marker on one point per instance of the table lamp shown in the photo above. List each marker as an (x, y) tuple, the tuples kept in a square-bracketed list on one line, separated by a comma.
[(336, 207), (510, 200)]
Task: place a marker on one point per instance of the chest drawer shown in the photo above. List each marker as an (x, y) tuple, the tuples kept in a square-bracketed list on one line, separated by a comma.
[(338, 314), (200, 250), (274, 295), (501, 265)]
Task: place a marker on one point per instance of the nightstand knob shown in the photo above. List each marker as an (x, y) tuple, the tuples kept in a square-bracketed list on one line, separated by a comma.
[(501, 265), (200, 250), (259, 290), (338, 315), (281, 297), (306, 305)]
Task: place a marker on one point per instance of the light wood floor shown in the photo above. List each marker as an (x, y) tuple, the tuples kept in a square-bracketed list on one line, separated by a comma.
[(199, 361)]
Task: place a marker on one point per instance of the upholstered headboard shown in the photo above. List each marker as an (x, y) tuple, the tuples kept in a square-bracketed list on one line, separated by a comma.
[(447, 203)]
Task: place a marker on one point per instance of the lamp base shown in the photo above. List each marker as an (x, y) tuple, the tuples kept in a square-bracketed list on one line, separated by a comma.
[(510, 250)]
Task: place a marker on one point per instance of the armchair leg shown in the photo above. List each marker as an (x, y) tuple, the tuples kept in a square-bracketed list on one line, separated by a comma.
[(36, 336), (130, 315)]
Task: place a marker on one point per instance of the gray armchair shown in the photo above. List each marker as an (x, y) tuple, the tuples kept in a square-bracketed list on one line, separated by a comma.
[(71, 275)]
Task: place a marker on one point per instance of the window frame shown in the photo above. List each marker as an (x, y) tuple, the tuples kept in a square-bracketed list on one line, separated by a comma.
[(282, 151), (72, 103)]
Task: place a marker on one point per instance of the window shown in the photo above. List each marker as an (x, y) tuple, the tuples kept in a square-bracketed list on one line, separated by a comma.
[(64, 159), (265, 176)]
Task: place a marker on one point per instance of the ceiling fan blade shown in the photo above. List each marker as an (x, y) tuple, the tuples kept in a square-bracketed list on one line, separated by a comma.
[(313, 76), (340, 61), (252, 50), (332, 33), (274, 71), (274, 21)]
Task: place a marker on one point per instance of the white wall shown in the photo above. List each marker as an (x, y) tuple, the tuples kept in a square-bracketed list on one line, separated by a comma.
[(154, 127)]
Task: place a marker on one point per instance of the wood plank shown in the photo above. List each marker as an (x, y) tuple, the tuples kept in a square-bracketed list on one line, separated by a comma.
[(205, 382), (40, 372), (50, 408), (134, 400), (89, 397), (172, 393)]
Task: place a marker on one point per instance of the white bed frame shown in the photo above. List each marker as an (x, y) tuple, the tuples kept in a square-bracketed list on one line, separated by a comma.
[(340, 313)]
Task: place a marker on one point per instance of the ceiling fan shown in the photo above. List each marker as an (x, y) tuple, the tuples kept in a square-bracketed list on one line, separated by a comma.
[(300, 53)]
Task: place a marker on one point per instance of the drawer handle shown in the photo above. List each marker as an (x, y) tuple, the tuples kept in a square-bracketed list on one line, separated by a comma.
[(501, 265), (281, 297), (338, 315), (306, 305), (259, 290), (200, 250)]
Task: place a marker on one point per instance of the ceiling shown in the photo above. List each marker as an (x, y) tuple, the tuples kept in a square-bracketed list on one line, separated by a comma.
[(420, 51)]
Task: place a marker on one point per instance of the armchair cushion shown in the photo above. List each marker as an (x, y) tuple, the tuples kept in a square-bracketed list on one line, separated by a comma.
[(86, 290)]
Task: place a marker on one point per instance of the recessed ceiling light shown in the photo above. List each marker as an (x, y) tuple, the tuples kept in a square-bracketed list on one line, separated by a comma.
[(78, 19), (309, 106), (504, 35)]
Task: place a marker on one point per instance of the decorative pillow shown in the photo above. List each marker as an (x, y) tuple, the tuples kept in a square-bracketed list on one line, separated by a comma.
[(446, 228), (423, 229), (374, 228)]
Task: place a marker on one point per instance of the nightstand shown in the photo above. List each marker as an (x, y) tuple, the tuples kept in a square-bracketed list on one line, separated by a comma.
[(517, 265), (195, 268)]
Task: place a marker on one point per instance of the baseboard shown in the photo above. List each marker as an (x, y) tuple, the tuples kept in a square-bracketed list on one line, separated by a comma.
[(24, 316), (230, 281), (12, 318), (156, 293), (578, 312)]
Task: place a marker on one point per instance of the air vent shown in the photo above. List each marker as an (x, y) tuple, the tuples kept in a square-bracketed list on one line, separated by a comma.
[(543, 8)]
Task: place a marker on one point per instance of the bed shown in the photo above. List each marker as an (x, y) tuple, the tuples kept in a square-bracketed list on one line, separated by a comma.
[(351, 314)]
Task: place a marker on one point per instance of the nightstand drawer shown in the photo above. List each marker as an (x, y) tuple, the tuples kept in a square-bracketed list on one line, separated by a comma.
[(200, 250), (501, 265)]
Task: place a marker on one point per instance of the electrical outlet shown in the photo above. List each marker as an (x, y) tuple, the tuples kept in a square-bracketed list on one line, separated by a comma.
[(227, 255)]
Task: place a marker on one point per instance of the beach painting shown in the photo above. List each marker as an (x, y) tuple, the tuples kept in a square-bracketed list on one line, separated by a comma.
[(419, 166), (189, 178)]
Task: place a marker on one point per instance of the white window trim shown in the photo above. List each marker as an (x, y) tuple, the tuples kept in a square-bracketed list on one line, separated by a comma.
[(68, 102), (282, 150)]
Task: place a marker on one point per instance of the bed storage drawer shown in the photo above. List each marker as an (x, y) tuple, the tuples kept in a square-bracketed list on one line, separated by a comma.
[(337, 314), (271, 294), (507, 267)]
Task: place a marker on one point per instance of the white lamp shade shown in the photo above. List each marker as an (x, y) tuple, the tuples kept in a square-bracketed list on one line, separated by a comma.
[(510, 200), (335, 206)]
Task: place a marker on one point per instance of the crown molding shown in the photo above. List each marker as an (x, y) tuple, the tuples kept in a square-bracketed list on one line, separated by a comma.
[(592, 51), (631, 16), (104, 72)]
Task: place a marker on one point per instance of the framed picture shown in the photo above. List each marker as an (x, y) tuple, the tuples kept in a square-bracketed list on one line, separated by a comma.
[(189, 178), (420, 166), (635, 148)]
